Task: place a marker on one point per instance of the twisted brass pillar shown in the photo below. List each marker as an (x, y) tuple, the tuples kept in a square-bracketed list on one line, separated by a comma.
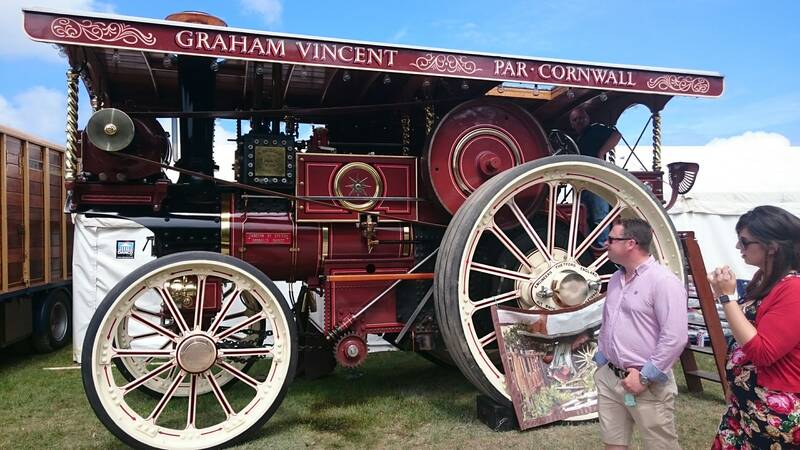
[(70, 158), (657, 141)]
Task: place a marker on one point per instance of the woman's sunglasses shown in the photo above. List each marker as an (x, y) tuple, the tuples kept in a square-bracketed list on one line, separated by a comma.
[(744, 243)]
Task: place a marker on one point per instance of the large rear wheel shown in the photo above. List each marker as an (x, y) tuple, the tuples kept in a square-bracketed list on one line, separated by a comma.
[(198, 325), (502, 248)]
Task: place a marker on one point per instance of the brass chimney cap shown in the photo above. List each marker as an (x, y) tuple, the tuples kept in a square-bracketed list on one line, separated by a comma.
[(197, 17)]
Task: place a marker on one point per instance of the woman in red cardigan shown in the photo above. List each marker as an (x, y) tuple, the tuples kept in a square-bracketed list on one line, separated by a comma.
[(763, 368)]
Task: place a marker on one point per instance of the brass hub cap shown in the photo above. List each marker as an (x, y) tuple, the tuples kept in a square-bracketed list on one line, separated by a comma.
[(196, 353), (563, 284)]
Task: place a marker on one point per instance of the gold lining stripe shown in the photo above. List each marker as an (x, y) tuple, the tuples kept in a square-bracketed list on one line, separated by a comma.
[(225, 226), (325, 236), (405, 250)]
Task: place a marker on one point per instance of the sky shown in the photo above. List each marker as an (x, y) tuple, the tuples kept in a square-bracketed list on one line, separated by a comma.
[(751, 44)]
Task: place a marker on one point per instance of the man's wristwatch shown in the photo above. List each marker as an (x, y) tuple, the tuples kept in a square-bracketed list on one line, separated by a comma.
[(643, 379), (723, 299)]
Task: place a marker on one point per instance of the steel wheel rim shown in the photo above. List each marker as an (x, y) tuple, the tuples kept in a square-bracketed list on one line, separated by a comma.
[(59, 321), (237, 417), (628, 199)]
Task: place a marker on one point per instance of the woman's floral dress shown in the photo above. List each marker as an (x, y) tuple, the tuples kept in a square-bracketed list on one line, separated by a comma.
[(756, 418)]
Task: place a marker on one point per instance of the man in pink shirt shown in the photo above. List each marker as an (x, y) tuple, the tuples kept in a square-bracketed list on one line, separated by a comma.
[(644, 331)]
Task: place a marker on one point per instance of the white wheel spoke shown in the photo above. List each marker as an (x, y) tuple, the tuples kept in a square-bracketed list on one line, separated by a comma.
[(247, 379), (598, 263), (497, 271), (472, 307), (511, 246), (191, 414), (150, 375), (220, 396), (592, 236), (143, 336), (225, 308), (166, 397), (236, 315), (255, 351), (241, 326), (144, 353), (166, 344), (199, 301), (488, 339), (173, 358), (173, 308), (158, 328), (574, 221), (532, 234), (146, 312), (552, 207)]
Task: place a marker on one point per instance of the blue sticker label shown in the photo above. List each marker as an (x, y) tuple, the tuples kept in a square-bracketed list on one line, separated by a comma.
[(125, 249)]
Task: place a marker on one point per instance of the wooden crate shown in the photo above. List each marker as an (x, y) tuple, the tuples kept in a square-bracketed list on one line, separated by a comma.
[(35, 234)]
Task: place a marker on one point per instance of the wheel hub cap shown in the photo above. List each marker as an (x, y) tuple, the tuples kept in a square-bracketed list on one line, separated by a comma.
[(561, 285), (196, 353)]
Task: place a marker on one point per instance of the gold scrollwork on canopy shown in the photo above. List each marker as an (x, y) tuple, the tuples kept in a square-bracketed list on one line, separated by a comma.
[(446, 64), (65, 27), (678, 83)]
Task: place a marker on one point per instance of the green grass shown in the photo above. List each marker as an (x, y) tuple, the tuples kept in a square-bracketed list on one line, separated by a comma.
[(399, 401)]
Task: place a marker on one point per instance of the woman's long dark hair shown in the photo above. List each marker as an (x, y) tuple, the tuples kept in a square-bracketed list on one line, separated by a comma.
[(775, 228)]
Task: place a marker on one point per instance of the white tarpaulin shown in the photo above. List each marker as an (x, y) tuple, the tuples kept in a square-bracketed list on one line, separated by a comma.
[(104, 251), (713, 216)]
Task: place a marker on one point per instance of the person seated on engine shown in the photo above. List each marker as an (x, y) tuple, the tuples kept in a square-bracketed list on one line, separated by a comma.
[(595, 140)]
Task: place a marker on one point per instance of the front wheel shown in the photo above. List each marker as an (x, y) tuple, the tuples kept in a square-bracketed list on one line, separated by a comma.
[(196, 302), (520, 241)]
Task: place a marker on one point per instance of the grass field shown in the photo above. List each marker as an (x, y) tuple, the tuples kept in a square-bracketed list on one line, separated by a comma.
[(396, 400)]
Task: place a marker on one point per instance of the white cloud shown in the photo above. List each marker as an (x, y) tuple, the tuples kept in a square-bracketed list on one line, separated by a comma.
[(270, 10), (17, 44), (224, 152), (399, 34), (39, 111), (754, 161)]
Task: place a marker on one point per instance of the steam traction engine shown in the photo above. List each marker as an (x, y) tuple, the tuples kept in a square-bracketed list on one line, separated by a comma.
[(427, 195)]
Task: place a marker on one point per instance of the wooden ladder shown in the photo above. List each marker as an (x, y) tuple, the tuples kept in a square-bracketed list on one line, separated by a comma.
[(711, 321)]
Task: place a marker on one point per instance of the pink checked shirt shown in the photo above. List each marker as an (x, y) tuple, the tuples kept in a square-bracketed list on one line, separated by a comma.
[(644, 321)]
